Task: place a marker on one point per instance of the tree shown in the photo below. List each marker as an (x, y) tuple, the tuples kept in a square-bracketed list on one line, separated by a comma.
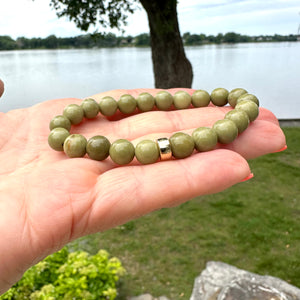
[(7, 43), (231, 37), (142, 40), (51, 42), (170, 64)]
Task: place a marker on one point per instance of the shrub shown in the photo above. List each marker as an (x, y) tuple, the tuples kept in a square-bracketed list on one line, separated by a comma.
[(69, 275)]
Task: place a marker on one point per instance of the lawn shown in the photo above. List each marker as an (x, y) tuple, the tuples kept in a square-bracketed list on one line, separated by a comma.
[(254, 225)]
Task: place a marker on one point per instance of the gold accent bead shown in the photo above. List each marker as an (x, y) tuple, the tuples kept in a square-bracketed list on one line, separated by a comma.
[(164, 148)]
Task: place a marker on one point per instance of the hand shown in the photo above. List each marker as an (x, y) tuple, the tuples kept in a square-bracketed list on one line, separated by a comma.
[(48, 199)]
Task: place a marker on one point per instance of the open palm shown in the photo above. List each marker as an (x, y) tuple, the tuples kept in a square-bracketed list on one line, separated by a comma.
[(47, 199)]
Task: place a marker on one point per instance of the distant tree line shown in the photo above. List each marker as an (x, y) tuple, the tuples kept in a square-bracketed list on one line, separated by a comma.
[(111, 40), (232, 38)]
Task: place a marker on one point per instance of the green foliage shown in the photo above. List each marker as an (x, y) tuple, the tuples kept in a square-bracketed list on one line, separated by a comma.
[(232, 37), (142, 40), (107, 13), (111, 40), (7, 43), (69, 275)]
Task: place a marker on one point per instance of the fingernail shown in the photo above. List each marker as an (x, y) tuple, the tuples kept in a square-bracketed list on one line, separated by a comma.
[(282, 149), (248, 177)]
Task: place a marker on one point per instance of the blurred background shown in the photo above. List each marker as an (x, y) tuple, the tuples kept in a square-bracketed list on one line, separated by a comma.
[(249, 44), (240, 43)]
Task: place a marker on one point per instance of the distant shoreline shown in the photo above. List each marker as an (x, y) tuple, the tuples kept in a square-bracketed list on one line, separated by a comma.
[(134, 46), (110, 40)]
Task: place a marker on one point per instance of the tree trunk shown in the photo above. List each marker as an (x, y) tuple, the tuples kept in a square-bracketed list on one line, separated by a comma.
[(170, 65)]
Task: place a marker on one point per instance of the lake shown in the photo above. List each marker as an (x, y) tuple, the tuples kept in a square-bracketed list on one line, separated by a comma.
[(271, 71)]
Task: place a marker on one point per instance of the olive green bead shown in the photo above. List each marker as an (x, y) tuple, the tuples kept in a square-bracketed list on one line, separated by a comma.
[(75, 145), (108, 106), (90, 108), (127, 104), (248, 97), (97, 147), (200, 98), (60, 121), (74, 113), (147, 152), (121, 152), (163, 100), (249, 107), (145, 102), (205, 139), (57, 138), (182, 145), (226, 131), (182, 100), (219, 96), (234, 95), (240, 118)]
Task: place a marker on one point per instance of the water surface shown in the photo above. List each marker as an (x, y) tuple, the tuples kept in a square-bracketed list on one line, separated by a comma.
[(269, 70)]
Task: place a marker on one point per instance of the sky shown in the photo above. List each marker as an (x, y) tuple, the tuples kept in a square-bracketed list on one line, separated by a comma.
[(36, 18)]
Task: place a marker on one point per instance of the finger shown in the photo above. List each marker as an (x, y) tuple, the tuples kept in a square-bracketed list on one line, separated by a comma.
[(267, 115), (260, 138), (125, 193)]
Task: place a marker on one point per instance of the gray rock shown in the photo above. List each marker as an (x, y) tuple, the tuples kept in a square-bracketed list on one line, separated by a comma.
[(220, 281), (148, 297), (142, 297)]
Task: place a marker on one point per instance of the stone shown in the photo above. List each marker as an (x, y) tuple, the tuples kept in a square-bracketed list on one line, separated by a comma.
[(148, 297), (220, 281), (142, 297)]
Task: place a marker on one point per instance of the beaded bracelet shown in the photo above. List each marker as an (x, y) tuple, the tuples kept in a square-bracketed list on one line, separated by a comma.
[(179, 145)]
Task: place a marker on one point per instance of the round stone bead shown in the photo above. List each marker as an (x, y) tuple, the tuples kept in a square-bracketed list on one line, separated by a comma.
[(248, 97), (219, 96), (121, 152), (240, 118), (97, 147), (234, 95), (249, 107), (145, 102), (75, 145), (163, 100), (226, 131), (60, 121), (127, 104), (90, 108), (200, 98), (182, 145), (57, 138), (74, 113), (182, 100), (205, 139), (108, 106), (147, 152)]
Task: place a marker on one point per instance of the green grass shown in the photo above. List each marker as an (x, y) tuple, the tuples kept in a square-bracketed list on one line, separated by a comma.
[(254, 225)]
